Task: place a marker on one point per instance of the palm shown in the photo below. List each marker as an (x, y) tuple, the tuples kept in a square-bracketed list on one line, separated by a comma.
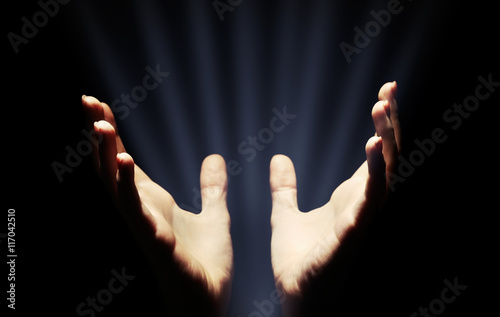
[(305, 244), (199, 242), (191, 254)]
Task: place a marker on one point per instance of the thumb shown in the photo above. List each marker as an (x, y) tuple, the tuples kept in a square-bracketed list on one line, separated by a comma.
[(213, 183), (283, 183)]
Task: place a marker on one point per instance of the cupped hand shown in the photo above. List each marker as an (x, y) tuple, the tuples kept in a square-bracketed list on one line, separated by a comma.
[(191, 254), (308, 248)]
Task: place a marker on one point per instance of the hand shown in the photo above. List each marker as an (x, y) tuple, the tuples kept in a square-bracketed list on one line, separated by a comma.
[(309, 250), (191, 254)]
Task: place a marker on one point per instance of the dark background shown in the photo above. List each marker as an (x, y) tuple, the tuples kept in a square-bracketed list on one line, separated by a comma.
[(225, 79)]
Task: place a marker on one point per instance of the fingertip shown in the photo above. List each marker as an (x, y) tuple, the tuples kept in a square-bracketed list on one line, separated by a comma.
[(215, 161), (376, 168), (213, 172), (282, 173), (90, 101), (381, 111), (374, 155), (280, 161), (213, 185), (388, 91), (103, 126), (125, 164), (283, 183), (124, 159), (93, 109), (373, 144)]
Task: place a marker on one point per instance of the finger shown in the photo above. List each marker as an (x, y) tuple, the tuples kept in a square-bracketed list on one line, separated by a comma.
[(384, 129), (375, 184), (125, 176), (93, 112), (388, 92), (129, 202), (213, 183), (283, 183), (109, 116), (107, 155)]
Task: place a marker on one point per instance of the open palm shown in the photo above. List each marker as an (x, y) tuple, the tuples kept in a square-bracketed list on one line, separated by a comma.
[(305, 245), (191, 254)]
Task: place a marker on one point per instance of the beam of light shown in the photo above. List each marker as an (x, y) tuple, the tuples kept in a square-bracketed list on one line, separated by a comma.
[(223, 86), (170, 129)]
